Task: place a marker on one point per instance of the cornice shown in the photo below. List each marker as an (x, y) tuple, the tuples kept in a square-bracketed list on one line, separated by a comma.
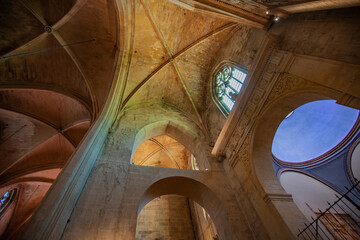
[(274, 197)]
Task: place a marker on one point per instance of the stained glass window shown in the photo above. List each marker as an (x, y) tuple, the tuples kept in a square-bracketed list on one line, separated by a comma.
[(5, 200), (228, 83)]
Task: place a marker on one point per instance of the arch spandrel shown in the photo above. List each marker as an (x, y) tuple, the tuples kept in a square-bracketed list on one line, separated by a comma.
[(184, 136), (140, 124), (252, 160)]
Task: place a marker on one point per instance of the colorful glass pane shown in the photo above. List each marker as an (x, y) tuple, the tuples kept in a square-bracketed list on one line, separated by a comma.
[(5, 199)]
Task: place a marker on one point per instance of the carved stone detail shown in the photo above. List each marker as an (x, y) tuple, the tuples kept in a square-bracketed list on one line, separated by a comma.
[(261, 92), (271, 85), (288, 83), (243, 155), (278, 197)]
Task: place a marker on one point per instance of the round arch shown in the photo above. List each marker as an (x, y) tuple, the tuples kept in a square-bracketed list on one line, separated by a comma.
[(197, 192), (264, 132)]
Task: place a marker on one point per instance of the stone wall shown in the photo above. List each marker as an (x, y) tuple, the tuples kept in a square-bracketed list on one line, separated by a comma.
[(332, 34), (165, 217), (203, 225)]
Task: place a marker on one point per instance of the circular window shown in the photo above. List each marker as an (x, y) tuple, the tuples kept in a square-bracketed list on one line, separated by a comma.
[(312, 130)]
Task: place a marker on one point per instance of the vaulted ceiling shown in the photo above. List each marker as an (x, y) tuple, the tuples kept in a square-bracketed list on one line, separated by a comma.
[(162, 151), (173, 56), (57, 63)]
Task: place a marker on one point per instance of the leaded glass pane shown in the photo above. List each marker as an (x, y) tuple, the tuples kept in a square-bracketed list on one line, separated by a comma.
[(228, 83)]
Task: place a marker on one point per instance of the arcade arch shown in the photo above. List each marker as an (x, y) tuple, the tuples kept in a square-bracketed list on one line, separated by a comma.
[(262, 158), (264, 133), (199, 193)]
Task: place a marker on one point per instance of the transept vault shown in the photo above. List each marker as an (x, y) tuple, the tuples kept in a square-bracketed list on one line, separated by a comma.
[(84, 83)]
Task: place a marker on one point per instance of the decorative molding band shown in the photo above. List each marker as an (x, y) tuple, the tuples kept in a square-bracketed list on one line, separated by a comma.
[(276, 197), (265, 79), (276, 83), (226, 11), (349, 100), (251, 85)]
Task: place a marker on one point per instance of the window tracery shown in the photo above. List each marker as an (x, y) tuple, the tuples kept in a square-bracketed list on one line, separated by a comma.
[(227, 83)]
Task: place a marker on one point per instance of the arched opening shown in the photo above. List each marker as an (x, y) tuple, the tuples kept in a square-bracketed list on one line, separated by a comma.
[(162, 151), (312, 130), (171, 216), (313, 198), (310, 149), (167, 144), (174, 217), (226, 85), (197, 192), (279, 203), (353, 162)]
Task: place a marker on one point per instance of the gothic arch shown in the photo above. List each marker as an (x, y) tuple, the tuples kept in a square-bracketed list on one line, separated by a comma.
[(188, 139)]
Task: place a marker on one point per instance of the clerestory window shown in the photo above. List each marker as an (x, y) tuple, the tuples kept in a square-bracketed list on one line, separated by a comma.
[(227, 83), (6, 199)]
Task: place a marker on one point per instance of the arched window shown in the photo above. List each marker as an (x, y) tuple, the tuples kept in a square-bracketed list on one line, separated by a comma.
[(227, 83), (6, 199)]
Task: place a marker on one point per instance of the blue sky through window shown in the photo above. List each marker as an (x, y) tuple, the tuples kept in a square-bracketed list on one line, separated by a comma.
[(312, 130)]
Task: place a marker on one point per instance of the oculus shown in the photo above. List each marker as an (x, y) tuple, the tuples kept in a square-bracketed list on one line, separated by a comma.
[(313, 130)]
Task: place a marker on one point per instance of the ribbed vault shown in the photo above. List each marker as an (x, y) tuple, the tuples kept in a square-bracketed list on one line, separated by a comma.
[(56, 68)]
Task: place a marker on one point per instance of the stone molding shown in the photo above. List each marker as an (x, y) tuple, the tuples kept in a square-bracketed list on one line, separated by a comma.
[(251, 86), (264, 84), (229, 12), (349, 100), (277, 197), (274, 83)]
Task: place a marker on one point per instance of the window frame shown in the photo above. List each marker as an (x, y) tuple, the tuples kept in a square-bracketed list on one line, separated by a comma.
[(224, 110)]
